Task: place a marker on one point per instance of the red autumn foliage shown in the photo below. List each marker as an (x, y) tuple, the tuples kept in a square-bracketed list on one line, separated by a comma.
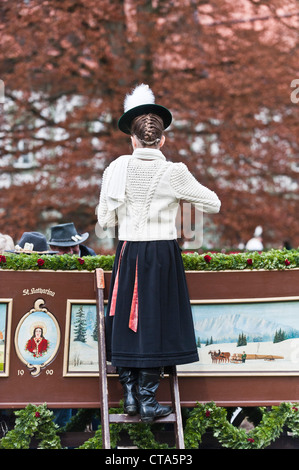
[(225, 70)]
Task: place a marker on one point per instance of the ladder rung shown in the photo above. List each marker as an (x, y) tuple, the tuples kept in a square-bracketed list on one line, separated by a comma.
[(123, 418)]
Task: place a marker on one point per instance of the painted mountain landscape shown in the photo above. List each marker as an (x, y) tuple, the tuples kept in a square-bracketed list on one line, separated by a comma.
[(249, 337), (227, 328)]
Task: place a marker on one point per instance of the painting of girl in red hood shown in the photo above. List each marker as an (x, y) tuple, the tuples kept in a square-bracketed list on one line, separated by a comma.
[(37, 344)]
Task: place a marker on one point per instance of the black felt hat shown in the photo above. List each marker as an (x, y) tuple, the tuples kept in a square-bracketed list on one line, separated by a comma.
[(33, 242), (66, 235), (141, 101)]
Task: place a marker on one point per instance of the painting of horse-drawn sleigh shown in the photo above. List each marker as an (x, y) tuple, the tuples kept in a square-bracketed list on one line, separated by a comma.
[(255, 336), (224, 357)]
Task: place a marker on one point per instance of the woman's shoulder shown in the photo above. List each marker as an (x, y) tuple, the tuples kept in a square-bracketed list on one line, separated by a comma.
[(179, 167), (117, 160)]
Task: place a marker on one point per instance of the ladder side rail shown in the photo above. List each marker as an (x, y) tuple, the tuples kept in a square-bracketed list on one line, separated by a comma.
[(103, 382), (178, 424)]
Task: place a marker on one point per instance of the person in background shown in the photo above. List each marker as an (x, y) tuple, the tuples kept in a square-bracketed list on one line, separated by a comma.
[(66, 240), (149, 322), (33, 242), (256, 243), (287, 245), (6, 243)]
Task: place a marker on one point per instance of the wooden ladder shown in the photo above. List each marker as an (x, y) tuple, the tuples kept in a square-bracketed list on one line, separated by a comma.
[(175, 417)]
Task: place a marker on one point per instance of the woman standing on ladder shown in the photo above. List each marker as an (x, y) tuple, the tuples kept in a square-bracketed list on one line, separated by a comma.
[(149, 321)]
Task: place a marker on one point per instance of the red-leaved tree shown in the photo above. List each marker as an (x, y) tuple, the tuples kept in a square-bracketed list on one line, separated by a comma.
[(224, 69)]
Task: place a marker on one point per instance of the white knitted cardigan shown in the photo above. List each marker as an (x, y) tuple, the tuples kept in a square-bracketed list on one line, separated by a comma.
[(141, 193)]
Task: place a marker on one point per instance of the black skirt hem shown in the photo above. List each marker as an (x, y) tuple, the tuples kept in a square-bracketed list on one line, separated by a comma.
[(132, 361)]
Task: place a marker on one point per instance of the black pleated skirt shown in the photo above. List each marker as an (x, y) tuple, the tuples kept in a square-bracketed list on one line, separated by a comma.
[(164, 330)]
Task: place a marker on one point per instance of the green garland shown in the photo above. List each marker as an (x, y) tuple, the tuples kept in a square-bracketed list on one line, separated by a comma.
[(32, 422), (36, 262), (269, 260), (272, 423), (37, 421)]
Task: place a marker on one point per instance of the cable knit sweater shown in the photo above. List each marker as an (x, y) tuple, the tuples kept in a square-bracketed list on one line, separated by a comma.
[(153, 189)]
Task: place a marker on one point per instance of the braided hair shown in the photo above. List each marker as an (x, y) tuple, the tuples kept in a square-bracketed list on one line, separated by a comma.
[(148, 129)]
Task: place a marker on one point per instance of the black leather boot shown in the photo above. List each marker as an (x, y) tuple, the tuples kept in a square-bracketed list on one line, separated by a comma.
[(149, 408), (129, 378)]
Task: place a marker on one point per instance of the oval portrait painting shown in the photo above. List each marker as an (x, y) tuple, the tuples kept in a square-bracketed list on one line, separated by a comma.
[(37, 337)]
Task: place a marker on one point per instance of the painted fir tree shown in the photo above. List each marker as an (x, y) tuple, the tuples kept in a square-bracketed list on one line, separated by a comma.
[(242, 340), (80, 326), (279, 336), (95, 330)]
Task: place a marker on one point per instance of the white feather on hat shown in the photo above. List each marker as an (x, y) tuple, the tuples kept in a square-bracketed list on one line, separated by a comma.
[(142, 94)]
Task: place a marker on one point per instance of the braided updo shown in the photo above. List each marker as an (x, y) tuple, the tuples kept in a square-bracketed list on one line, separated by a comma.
[(148, 129)]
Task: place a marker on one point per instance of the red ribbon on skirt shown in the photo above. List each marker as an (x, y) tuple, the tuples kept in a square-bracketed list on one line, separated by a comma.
[(133, 320)]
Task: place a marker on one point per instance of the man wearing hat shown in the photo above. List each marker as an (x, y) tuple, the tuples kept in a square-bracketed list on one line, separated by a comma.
[(33, 242), (66, 240)]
